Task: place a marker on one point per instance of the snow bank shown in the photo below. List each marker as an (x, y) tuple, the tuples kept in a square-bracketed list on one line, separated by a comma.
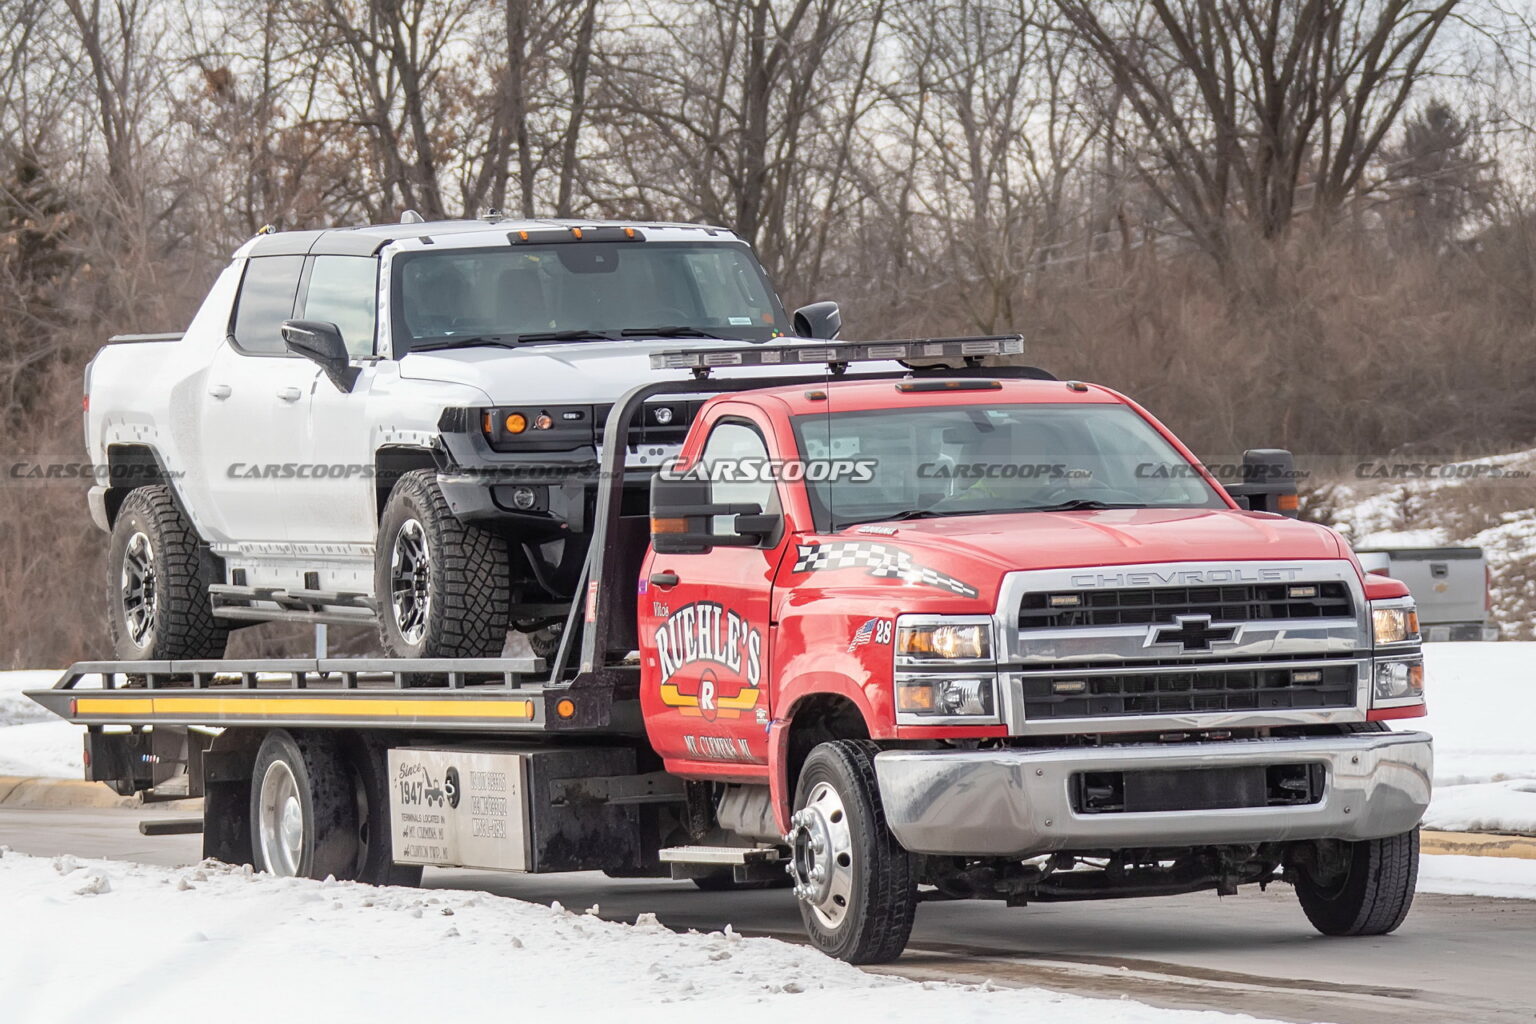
[(245, 947), (1482, 713), (1507, 877), (33, 742)]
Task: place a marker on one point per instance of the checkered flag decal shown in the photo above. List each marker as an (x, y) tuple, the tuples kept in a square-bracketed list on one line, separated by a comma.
[(881, 560)]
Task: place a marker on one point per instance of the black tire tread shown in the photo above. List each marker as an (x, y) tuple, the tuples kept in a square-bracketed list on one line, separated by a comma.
[(185, 626), (1378, 894), (471, 611), (889, 880), (326, 776)]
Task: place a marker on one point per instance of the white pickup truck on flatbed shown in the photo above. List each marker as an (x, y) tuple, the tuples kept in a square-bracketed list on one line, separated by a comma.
[(399, 424)]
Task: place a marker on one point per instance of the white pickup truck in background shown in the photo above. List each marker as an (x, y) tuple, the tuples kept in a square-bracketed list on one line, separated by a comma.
[(1451, 586)]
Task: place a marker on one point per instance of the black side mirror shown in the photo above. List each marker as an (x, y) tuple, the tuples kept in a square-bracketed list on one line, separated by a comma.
[(681, 511), (818, 320), (1269, 482), (321, 342)]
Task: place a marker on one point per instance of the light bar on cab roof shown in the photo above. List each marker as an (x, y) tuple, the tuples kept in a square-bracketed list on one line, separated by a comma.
[(841, 353)]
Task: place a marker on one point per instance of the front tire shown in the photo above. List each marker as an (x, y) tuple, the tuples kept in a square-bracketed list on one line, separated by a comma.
[(157, 592), (304, 814), (1368, 892), (856, 884), (442, 587)]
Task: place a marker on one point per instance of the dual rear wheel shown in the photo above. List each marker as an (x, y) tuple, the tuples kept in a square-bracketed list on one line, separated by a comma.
[(320, 808)]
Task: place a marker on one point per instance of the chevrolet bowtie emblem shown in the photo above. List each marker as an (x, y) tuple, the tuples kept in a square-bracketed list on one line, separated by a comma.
[(1193, 632)]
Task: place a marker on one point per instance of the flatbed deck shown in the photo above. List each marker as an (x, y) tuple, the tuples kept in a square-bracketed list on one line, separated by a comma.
[(471, 694)]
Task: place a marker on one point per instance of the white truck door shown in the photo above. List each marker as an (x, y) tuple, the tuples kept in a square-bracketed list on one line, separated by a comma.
[(334, 507), (253, 417)]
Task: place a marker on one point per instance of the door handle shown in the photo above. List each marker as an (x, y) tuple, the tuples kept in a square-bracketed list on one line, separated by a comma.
[(665, 579), (221, 391), (290, 394)]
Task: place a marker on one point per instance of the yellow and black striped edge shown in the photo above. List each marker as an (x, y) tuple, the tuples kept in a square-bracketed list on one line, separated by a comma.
[(479, 711)]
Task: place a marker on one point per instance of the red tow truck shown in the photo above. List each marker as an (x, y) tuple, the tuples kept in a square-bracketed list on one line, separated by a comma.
[(881, 636)]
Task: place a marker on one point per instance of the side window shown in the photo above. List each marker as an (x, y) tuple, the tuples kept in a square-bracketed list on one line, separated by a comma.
[(737, 458), (266, 299), (343, 290)]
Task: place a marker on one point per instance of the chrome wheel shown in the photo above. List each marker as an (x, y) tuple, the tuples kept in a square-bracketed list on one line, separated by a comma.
[(821, 855), (410, 566), (280, 821), (138, 588)]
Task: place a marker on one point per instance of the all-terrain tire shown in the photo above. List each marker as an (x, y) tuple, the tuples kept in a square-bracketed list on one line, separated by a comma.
[(167, 612), (309, 830), (1374, 893), (466, 577), (883, 900)]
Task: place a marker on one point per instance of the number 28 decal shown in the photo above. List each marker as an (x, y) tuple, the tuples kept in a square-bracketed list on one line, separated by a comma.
[(873, 631)]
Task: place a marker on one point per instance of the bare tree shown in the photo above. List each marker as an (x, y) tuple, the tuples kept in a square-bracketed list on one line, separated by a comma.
[(1237, 103)]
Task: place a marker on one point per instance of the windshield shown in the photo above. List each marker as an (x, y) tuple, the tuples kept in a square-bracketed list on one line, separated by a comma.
[(581, 289), (971, 460)]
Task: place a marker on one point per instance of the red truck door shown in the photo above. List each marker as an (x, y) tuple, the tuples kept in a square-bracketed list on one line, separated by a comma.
[(704, 621)]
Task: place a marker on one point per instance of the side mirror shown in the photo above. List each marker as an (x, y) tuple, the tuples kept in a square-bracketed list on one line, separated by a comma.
[(1269, 482), (322, 343), (818, 320), (681, 514)]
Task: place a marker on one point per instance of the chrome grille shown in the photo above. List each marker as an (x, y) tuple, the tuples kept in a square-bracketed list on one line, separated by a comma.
[(1241, 602), (1209, 689)]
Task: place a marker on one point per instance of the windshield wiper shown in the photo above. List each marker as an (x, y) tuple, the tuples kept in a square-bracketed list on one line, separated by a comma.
[(508, 340), (470, 341), (565, 336), (911, 513), (668, 332), (1078, 504)]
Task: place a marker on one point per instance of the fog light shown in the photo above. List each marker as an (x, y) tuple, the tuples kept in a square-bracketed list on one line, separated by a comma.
[(663, 415), (524, 499)]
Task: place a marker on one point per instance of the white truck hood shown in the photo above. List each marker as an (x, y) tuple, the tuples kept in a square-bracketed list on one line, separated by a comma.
[(588, 372)]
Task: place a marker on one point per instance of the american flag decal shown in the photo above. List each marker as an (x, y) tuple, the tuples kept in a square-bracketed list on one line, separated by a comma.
[(862, 636)]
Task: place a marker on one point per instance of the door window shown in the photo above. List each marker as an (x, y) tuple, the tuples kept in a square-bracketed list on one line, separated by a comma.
[(266, 299), (736, 457), (343, 290)]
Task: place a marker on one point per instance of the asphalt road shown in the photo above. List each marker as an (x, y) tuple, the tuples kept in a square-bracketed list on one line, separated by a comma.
[(1459, 958)]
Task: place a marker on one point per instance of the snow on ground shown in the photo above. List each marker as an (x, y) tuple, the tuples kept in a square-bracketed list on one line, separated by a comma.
[(1482, 703), (249, 947), (32, 741), (1507, 877)]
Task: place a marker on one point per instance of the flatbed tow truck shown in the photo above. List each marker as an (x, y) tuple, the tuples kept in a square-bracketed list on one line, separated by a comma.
[(913, 676)]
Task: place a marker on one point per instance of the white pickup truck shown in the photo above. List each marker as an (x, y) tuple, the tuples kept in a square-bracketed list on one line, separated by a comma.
[(399, 424)]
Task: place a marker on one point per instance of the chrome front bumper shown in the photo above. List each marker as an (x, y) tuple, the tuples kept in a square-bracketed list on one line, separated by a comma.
[(1017, 802)]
